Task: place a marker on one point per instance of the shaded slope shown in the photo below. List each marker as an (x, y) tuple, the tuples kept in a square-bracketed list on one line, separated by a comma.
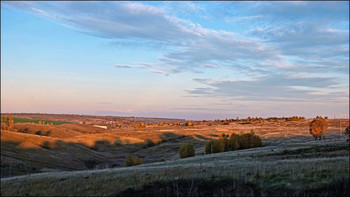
[(267, 169)]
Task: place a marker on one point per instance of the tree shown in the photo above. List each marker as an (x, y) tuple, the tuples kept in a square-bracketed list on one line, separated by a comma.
[(209, 147), (3, 123), (216, 146), (189, 123), (233, 142), (256, 141), (347, 131), (249, 140), (318, 127), (186, 150), (245, 141), (9, 121)]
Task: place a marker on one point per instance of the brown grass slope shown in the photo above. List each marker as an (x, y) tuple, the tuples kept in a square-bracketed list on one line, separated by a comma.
[(29, 148), (291, 167)]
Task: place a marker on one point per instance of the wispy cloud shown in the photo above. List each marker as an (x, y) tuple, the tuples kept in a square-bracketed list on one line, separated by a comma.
[(159, 72), (274, 87), (112, 20), (128, 66), (212, 66)]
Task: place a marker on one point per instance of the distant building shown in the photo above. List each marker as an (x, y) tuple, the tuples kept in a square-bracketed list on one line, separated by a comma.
[(100, 126)]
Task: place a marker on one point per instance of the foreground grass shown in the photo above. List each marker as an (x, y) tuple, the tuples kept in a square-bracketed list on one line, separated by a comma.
[(26, 120), (271, 170)]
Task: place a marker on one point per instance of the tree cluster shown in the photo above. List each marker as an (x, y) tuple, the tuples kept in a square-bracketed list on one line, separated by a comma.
[(234, 142), (250, 120)]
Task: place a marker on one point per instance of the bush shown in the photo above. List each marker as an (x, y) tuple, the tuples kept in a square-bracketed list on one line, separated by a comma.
[(186, 150), (133, 160)]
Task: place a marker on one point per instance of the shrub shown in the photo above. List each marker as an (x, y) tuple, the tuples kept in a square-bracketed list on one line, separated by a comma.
[(186, 150), (318, 127), (133, 160)]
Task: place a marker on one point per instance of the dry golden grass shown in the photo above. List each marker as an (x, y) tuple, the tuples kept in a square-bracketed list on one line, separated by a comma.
[(69, 146), (25, 140), (268, 167)]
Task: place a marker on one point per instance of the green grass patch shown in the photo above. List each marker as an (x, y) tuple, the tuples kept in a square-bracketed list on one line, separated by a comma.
[(27, 120)]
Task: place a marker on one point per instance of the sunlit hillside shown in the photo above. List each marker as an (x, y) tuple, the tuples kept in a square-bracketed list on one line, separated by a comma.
[(67, 155)]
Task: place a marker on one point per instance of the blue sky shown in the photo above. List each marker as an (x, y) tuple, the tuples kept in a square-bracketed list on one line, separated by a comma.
[(193, 60)]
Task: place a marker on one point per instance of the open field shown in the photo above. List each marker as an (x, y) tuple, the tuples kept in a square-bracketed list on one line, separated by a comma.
[(27, 120), (89, 119), (78, 159)]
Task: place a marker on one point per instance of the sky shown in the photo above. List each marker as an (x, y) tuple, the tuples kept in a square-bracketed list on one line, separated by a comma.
[(192, 60)]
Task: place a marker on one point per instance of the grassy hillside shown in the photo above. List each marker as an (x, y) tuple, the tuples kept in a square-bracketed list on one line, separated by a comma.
[(64, 160), (32, 148), (290, 167)]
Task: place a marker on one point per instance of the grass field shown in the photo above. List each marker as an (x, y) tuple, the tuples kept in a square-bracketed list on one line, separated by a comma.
[(26, 120), (310, 168), (82, 160)]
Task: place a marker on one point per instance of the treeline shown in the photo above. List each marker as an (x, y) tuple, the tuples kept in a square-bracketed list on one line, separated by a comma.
[(249, 119), (143, 125), (233, 142)]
